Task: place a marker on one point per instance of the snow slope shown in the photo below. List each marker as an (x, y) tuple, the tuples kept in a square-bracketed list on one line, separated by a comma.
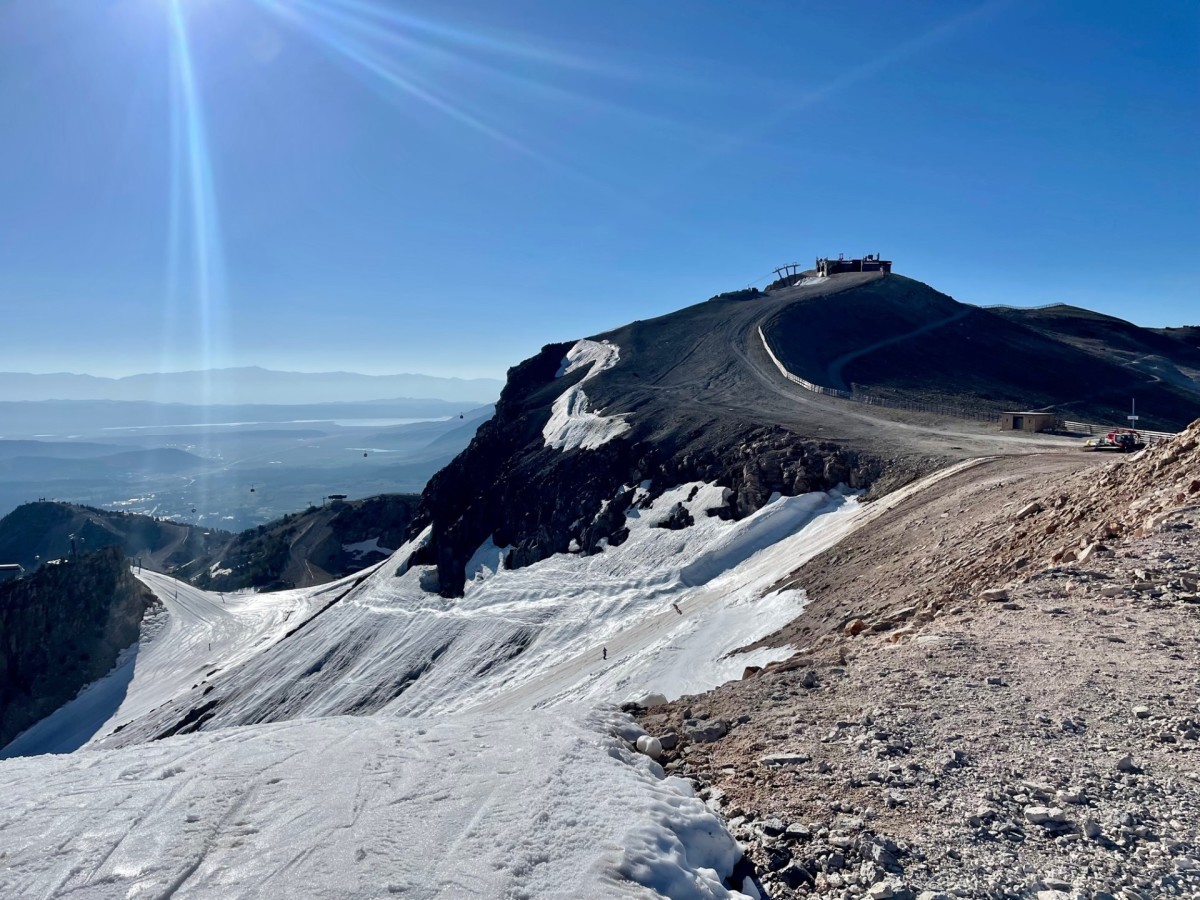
[(536, 805), (472, 766), (526, 637), (202, 634), (75, 723)]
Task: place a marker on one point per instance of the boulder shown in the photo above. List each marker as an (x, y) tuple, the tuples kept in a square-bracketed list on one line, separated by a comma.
[(1044, 815), (706, 731)]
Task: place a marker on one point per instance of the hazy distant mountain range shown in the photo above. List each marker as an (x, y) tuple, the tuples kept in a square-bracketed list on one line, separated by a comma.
[(248, 384)]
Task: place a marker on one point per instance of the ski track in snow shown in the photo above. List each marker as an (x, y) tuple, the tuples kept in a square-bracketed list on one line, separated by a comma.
[(535, 805), (573, 425), (484, 775)]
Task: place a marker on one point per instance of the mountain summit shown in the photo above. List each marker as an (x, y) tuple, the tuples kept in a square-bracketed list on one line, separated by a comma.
[(716, 392)]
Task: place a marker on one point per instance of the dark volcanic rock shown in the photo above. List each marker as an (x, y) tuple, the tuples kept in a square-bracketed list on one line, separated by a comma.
[(509, 486), (61, 628), (704, 400)]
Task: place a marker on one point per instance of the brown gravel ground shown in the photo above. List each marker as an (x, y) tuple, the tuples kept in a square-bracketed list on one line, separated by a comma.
[(1041, 740)]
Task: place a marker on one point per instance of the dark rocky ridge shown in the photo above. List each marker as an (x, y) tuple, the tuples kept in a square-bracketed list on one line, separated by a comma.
[(62, 628), (705, 402), (304, 548), (509, 486), (898, 336), (297, 550)]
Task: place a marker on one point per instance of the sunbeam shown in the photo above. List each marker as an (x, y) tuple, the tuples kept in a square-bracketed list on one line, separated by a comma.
[(194, 167), (347, 30), (513, 47), (194, 227)]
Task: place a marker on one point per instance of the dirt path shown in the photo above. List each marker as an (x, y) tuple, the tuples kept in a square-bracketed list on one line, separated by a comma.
[(933, 740), (710, 366)]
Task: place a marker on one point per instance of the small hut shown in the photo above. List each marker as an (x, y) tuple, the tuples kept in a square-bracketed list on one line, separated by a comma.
[(1028, 421)]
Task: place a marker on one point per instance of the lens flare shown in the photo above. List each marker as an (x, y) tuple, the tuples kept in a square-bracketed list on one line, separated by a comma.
[(193, 190), (196, 278), (366, 37)]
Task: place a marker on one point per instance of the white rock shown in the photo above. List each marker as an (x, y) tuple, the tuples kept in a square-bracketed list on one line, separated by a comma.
[(1028, 510), (1141, 712), (649, 745), (994, 595), (782, 759), (1044, 815), (649, 700), (880, 891)]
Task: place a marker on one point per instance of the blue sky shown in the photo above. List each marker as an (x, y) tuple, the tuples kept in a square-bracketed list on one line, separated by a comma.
[(388, 186)]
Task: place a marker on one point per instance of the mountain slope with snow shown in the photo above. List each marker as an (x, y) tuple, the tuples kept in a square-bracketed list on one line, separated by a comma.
[(618, 531)]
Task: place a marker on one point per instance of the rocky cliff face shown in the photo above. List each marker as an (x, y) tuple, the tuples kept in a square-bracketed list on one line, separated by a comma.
[(62, 628), (511, 486)]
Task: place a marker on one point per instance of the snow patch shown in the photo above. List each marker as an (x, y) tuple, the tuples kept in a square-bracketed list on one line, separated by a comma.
[(573, 424), (600, 355), (485, 562), (362, 548)]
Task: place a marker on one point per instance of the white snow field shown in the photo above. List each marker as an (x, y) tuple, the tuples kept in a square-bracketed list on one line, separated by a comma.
[(573, 424), (371, 738), (535, 805)]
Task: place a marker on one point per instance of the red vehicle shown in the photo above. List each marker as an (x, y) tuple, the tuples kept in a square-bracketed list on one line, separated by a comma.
[(1119, 440)]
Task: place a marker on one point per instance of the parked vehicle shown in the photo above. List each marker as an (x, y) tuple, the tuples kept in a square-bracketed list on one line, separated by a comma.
[(1119, 440)]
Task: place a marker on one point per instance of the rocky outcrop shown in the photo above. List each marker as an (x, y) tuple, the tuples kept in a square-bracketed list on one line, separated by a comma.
[(509, 486), (306, 548), (62, 628)]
